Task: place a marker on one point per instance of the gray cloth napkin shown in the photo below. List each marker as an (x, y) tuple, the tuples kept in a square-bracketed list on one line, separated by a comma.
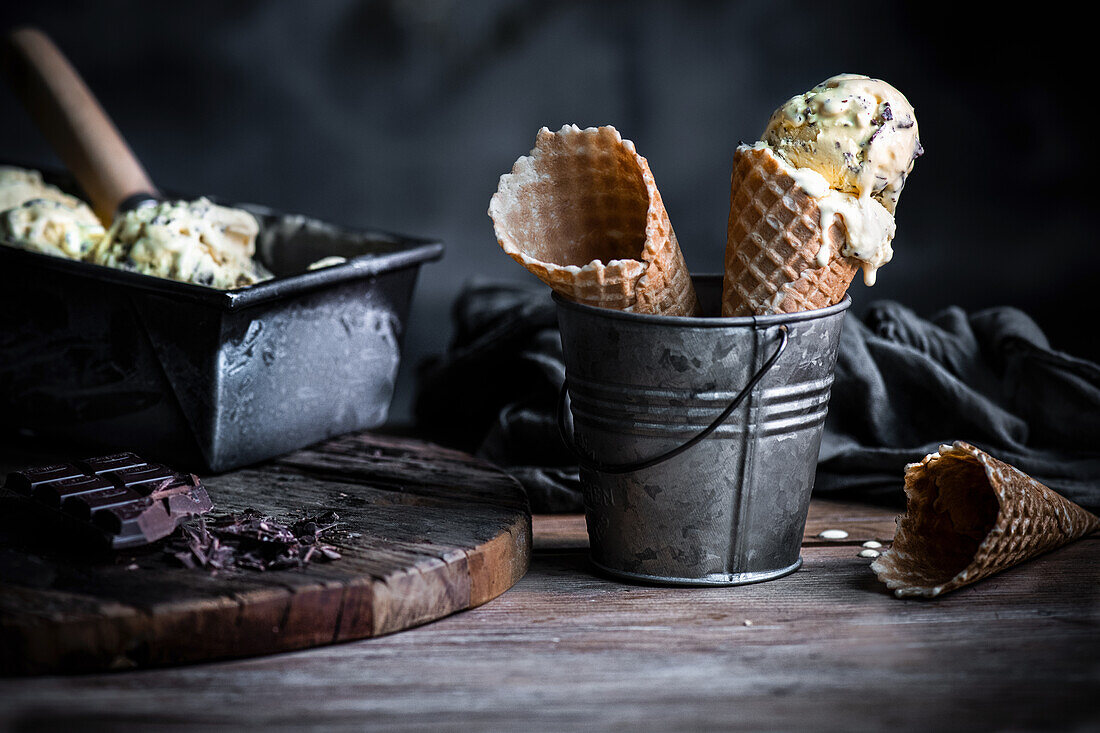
[(904, 385)]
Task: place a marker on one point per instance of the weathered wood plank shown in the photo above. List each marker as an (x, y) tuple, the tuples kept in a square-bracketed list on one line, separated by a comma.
[(861, 522), (828, 650)]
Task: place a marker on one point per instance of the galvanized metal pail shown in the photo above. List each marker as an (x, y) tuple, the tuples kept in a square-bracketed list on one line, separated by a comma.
[(697, 437)]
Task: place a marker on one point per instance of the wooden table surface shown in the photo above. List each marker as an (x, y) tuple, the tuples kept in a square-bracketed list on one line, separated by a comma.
[(824, 649)]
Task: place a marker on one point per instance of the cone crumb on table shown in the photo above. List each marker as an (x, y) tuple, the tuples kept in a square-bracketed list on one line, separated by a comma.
[(583, 214), (814, 200), (969, 516)]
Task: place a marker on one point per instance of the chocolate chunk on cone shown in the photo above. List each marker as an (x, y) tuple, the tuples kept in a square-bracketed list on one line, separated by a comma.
[(969, 516), (582, 213), (772, 240)]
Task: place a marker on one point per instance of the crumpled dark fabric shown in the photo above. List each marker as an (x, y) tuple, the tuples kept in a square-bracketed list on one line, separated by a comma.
[(904, 385), (494, 392)]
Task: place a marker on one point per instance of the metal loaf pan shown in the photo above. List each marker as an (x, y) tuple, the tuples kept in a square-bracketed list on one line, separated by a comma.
[(96, 358)]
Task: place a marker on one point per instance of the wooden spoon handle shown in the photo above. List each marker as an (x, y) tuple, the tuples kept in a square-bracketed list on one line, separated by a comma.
[(73, 122)]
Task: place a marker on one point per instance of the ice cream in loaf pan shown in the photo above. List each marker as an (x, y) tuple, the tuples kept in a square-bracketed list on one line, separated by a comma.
[(190, 241)]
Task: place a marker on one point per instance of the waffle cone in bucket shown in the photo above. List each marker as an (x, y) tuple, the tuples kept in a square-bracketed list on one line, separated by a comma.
[(582, 213), (969, 516), (772, 240)]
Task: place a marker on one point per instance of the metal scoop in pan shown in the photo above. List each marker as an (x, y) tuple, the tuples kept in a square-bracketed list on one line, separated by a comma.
[(75, 125), (90, 146)]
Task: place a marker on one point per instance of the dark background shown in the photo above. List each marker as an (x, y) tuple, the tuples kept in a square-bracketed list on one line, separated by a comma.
[(402, 114)]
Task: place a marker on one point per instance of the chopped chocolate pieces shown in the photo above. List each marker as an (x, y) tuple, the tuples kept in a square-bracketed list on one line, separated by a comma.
[(252, 541), (121, 498), (197, 546)]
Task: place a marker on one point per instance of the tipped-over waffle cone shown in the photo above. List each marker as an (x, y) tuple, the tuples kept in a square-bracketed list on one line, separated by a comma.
[(969, 516), (583, 214), (772, 240)]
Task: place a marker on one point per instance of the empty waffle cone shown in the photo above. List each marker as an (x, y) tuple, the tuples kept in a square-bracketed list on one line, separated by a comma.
[(969, 516), (582, 213), (772, 241)]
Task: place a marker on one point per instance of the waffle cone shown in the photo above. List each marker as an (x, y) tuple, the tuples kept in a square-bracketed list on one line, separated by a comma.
[(583, 214), (969, 516), (772, 240)]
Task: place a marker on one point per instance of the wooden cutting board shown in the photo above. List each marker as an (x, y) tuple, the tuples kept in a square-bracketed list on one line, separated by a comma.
[(426, 532)]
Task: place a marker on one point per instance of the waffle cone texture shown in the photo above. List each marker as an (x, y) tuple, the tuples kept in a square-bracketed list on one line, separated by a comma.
[(968, 516), (583, 214), (772, 240)]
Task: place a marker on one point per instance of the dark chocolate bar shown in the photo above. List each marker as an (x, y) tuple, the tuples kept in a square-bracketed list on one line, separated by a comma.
[(122, 498)]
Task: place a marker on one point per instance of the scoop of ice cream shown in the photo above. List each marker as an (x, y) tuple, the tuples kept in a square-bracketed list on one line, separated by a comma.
[(850, 143), (859, 133), (19, 185), (190, 241), (40, 217), (52, 227)]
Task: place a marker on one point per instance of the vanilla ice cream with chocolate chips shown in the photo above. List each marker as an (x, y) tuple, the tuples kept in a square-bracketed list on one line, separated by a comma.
[(190, 241), (43, 218), (850, 143)]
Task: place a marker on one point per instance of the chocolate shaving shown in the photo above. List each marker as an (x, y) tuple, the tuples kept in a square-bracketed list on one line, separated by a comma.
[(252, 541)]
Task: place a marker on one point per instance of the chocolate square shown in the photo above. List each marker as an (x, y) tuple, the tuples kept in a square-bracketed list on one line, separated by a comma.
[(113, 462), (27, 480), (55, 492), (142, 479), (84, 505)]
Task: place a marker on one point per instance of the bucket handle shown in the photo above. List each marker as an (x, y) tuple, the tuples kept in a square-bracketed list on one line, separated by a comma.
[(566, 431)]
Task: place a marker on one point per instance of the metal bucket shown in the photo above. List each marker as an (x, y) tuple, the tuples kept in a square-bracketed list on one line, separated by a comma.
[(697, 437)]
